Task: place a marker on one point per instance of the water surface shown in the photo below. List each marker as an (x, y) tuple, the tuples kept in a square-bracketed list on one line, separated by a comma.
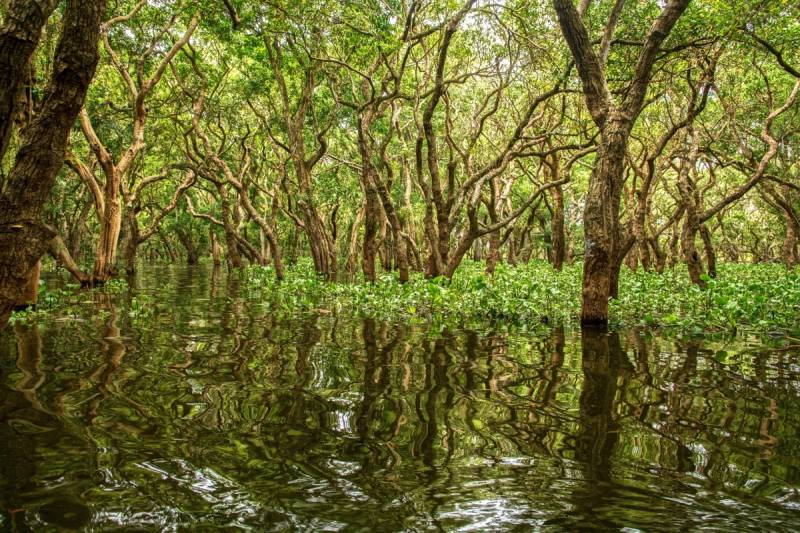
[(191, 402)]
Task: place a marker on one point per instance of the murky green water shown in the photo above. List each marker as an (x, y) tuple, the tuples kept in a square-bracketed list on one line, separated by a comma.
[(200, 408)]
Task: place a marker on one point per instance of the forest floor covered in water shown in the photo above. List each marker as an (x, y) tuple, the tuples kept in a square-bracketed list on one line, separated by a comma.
[(760, 299), (191, 398)]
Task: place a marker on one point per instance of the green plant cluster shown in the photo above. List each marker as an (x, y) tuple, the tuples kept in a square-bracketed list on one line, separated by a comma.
[(761, 298), (66, 300)]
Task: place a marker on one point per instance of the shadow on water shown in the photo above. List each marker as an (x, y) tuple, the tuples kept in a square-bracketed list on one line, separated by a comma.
[(192, 403)]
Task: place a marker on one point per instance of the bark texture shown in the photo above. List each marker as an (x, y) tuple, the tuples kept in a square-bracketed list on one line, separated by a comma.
[(23, 236), (19, 36)]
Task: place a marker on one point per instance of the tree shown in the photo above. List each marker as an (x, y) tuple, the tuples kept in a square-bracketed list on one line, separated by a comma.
[(603, 251), (23, 236)]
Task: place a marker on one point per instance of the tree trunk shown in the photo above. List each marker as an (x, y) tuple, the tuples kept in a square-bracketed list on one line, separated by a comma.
[(397, 224), (690, 254), (601, 223), (372, 221), (711, 255), (660, 256), (216, 251), (105, 258), (23, 21), (30, 293), (352, 249), (233, 256), (789, 250), (557, 227), (58, 250), (186, 241), (173, 255), (77, 231), (692, 203), (493, 257), (601, 214), (23, 237), (132, 241)]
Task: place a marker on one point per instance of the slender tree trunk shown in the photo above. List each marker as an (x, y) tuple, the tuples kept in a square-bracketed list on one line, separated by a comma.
[(674, 246), (557, 227), (396, 224), (77, 231), (233, 256), (660, 256), (711, 255), (352, 249), (216, 251), (58, 250), (789, 250), (132, 240), (386, 251), (691, 202), (171, 253)]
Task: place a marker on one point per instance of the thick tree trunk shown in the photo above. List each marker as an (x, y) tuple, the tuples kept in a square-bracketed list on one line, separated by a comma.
[(23, 21), (30, 293), (105, 259), (23, 237), (601, 213), (372, 222), (601, 223)]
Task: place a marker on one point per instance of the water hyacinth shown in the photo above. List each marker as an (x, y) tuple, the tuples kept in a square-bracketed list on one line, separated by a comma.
[(761, 298)]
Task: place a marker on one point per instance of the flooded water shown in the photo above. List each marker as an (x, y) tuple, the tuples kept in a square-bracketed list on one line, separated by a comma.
[(196, 406)]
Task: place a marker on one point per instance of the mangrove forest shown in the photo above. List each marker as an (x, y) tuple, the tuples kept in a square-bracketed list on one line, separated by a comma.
[(399, 265)]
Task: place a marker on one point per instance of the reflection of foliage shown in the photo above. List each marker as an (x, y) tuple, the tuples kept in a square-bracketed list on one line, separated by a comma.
[(208, 410)]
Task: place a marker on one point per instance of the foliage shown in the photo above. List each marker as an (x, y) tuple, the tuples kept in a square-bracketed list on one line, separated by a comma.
[(760, 298)]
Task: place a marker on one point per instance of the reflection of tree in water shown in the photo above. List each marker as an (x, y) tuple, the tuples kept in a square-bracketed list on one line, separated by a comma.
[(321, 416), (28, 428), (379, 413), (604, 364)]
